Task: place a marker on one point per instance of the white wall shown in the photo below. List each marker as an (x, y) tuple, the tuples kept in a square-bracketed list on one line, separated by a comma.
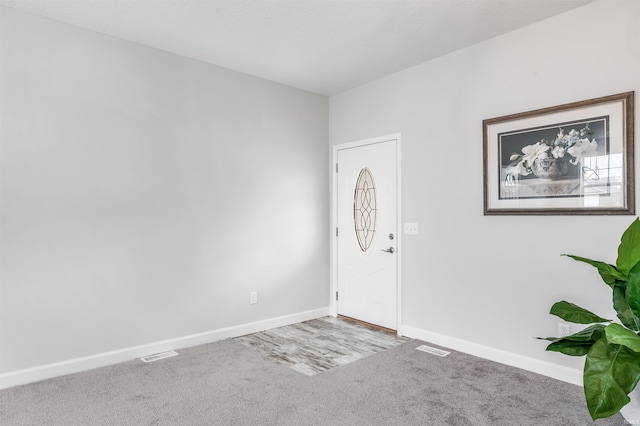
[(144, 195), (483, 281)]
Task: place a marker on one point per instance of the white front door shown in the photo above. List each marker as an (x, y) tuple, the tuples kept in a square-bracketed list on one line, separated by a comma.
[(367, 234)]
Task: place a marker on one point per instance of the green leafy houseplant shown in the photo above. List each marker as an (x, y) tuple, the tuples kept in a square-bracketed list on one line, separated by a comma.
[(612, 366)]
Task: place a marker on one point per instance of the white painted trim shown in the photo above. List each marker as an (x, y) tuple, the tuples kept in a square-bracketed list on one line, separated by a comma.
[(400, 230), (566, 374), (76, 365), (333, 308), (333, 241)]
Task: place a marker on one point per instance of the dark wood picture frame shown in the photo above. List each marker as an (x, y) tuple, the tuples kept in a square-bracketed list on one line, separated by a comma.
[(571, 159)]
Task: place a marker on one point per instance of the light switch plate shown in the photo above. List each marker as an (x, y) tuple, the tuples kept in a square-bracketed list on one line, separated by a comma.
[(410, 228)]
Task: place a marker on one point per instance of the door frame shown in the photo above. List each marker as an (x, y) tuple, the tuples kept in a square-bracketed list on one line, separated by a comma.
[(333, 306)]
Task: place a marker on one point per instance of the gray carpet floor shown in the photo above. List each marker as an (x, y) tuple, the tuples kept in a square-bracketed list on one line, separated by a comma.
[(228, 383)]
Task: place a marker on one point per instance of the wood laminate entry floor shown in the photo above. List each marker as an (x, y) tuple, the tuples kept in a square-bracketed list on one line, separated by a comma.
[(312, 347)]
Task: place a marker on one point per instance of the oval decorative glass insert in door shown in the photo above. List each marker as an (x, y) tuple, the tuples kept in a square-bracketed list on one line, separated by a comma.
[(365, 209)]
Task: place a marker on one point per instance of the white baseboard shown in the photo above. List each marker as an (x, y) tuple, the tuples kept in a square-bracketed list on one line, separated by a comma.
[(566, 374), (76, 365)]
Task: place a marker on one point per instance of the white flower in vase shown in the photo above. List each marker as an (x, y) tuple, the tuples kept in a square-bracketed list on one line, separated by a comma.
[(533, 152), (517, 169), (557, 152), (583, 148)]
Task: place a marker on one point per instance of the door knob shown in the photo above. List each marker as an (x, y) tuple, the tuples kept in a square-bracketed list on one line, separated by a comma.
[(389, 250)]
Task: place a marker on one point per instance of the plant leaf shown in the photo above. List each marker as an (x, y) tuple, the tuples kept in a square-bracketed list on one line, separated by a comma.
[(629, 248), (619, 335), (625, 314), (610, 373), (570, 348), (593, 333), (574, 313), (609, 273), (632, 290), (577, 344)]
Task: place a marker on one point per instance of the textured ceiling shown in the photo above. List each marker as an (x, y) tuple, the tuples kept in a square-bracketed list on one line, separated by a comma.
[(323, 46)]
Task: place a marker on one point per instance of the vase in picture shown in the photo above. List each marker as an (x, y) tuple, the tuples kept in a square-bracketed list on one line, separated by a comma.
[(550, 168)]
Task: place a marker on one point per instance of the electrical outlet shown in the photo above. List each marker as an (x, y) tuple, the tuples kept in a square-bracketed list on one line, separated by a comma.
[(564, 329), (410, 228), (253, 297)]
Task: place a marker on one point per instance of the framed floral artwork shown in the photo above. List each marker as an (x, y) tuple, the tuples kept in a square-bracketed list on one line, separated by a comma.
[(572, 159)]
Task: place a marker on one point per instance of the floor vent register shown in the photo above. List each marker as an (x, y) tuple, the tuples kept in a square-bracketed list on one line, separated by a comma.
[(432, 351), (156, 357)]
